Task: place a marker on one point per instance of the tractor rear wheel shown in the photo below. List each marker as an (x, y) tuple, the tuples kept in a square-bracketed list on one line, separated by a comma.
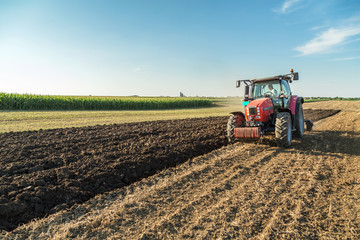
[(283, 129), (299, 122)]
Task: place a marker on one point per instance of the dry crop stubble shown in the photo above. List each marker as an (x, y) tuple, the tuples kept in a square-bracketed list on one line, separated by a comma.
[(241, 191)]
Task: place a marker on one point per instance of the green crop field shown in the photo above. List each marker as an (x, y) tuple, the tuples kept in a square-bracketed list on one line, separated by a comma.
[(17, 114), (41, 102), (20, 120)]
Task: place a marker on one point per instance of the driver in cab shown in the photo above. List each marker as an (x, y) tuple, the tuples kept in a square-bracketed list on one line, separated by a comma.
[(272, 90)]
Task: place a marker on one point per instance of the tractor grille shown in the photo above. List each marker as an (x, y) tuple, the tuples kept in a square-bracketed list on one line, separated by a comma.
[(252, 110)]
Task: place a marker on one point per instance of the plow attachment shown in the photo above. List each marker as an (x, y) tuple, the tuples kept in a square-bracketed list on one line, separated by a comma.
[(247, 132)]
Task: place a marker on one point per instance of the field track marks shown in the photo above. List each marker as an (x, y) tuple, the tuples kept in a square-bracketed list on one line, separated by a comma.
[(212, 190), (181, 194), (249, 199)]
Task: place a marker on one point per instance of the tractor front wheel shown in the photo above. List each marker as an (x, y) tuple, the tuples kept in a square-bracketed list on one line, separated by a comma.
[(233, 122), (230, 128), (283, 129)]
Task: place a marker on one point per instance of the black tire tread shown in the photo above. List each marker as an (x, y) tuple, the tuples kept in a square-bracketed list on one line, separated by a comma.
[(230, 128), (281, 129)]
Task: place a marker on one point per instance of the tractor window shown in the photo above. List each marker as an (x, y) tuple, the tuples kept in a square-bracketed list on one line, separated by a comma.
[(286, 87), (267, 89)]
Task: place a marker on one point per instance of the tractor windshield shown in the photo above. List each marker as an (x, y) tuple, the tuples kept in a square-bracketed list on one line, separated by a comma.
[(269, 89)]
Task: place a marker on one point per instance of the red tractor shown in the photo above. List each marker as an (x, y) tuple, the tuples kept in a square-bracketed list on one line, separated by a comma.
[(269, 107)]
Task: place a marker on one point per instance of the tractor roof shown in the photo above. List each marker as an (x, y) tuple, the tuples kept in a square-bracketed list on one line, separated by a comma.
[(288, 77), (278, 77)]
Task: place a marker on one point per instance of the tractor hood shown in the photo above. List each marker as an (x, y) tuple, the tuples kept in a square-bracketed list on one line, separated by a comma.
[(259, 110), (261, 103)]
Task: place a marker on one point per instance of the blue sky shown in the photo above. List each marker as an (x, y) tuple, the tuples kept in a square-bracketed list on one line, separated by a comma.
[(162, 47)]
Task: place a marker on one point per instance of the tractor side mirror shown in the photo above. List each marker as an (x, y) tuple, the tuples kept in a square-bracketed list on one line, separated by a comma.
[(238, 83), (246, 97), (295, 76)]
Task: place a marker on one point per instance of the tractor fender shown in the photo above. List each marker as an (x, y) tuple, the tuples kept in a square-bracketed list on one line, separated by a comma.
[(238, 113), (240, 119), (294, 103), (299, 100), (292, 106)]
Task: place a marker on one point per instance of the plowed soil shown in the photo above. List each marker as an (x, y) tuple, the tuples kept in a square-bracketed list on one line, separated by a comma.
[(46, 171)]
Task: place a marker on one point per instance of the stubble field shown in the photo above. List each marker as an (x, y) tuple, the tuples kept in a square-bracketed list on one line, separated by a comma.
[(178, 179)]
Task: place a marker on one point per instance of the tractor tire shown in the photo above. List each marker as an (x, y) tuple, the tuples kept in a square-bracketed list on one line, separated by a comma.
[(230, 128), (299, 122), (283, 129)]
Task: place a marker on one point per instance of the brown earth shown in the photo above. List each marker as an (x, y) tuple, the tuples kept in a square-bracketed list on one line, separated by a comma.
[(47, 171), (317, 114), (353, 106)]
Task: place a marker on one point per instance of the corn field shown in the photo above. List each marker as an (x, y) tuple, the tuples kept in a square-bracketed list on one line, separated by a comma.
[(42, 102)]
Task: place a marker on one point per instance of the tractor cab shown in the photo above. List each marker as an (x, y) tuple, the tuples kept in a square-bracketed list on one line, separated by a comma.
[(277, 90)]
